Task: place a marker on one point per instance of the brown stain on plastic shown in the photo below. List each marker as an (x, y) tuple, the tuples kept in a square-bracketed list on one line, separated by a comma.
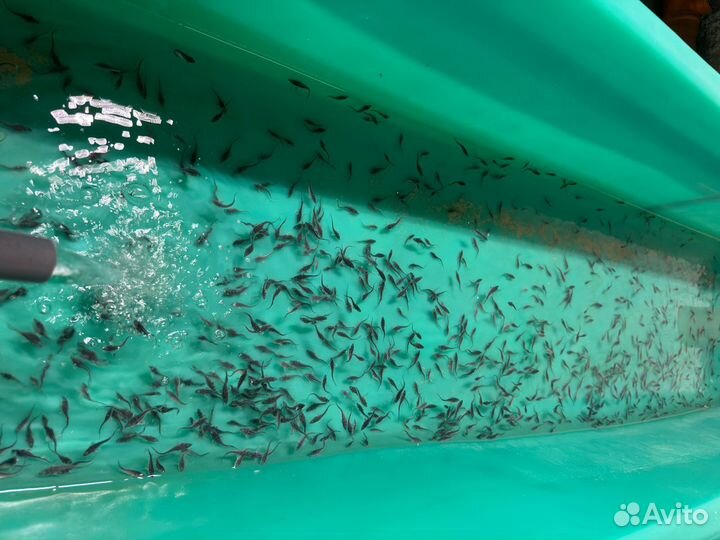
[(14, 71), (566, 235)]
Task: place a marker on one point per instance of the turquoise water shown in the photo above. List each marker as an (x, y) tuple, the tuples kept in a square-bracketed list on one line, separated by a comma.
[(290, 272)]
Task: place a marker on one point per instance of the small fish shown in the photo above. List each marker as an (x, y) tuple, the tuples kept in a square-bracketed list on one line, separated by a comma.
[(58, 470), (181, 447), (188, 169), (151, 465), (10, 377), (11, 462), (205, 236), (227, 152), (313, 126), (43, 374), (349, 209), (113, 348), (341, 97), (275, 135), (184, 56), (13, 168), (140, 82), (24, 16), (81, 364), (49, 432), (63, 229), (85, 392), (263, 188), (138, 326), (462, 147), (27, 454), (59, 66), (392, 225), (96, 446), (17, 128), (39, 328), (31, 337), (65, 410), (29, 438), (24, 421), (567, 300), (316, 451), (222, 105), (299, 84), (131, 472), (335, 233), (66, 335)]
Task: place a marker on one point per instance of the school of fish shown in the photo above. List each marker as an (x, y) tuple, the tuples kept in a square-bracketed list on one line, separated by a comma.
[(354, 292)]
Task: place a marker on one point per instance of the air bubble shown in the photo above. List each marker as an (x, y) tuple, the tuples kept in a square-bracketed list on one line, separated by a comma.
[(177, 338), (43, 305), (200, 299)]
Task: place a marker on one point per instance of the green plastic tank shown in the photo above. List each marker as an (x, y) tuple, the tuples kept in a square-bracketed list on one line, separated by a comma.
[(371, 270)]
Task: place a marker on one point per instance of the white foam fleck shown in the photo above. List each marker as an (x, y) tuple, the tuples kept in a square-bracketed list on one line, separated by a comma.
[(62, 117), (117, 110), (143, 139), (80, 100), (119, 165), (59, 164), (112, 119), (147, 117)]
